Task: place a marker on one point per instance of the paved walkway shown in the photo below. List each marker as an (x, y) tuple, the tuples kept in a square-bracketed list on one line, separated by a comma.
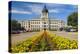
[(70, 35), (23, 36), (20, 37)]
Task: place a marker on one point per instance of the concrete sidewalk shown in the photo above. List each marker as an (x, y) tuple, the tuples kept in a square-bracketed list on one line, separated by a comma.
[(70, 35)]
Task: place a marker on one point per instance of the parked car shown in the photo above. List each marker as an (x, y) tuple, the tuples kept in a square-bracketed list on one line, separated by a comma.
[(71, 30), (21, 31), (15, 32), (28, 31)]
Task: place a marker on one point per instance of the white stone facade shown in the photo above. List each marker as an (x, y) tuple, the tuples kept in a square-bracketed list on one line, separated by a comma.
[(43, 23)]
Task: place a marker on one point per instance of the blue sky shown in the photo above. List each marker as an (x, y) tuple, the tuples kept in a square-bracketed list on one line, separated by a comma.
[(29, 10)]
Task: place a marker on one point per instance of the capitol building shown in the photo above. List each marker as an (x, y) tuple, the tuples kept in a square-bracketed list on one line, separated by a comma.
[(43, 22)]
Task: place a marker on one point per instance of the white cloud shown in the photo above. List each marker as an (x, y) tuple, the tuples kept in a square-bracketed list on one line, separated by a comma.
[(53, 5), (20, 12), (54, 11), (37, 9), (76, 7)]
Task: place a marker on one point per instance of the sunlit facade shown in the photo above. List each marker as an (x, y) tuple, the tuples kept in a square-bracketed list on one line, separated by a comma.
[(43, 23)]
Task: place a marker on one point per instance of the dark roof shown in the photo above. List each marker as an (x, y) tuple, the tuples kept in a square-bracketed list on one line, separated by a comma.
[(45, 9)]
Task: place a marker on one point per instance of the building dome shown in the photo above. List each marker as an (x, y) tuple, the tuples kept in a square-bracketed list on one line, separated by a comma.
[(45, 9)]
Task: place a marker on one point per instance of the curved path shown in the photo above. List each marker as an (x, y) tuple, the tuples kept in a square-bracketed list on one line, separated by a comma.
[(20, 37)]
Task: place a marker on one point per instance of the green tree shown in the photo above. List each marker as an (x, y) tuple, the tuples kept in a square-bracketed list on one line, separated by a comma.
[(73, 19), (15, 25)]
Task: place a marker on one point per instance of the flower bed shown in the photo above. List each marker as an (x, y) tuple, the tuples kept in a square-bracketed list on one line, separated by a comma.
[(45, 41)]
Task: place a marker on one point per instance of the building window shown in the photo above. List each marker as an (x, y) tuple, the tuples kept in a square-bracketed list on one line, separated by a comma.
[(32, 22), (44, 22), (39, 22)]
